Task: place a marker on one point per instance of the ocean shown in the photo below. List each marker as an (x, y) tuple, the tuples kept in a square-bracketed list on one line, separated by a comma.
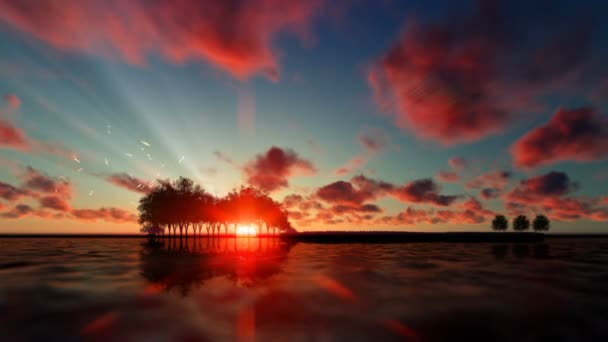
[(266, 289)]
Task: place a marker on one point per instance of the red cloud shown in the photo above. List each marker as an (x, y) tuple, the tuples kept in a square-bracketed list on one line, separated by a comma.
[(423, 191), (457, 163), (342, 192), (490, 193), (105, 214), (236, 36), (547, 194), (493, 179), (13, 101), (291, 201), (128, 182), (19, 211), (374, 140), (35, 181), (54, 203), (418, 191), (533, 190), (580, 135), (270, 171), (355, 163), (448, 176), (11, 136), (463, 79), (12, 193), (471, 212)]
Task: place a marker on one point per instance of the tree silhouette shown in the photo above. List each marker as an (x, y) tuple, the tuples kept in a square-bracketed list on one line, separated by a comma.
[(500, 223), (521, 223), (541, 223), (182, 204)]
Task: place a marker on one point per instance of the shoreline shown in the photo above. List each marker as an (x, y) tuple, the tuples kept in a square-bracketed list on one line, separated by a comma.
[(358, 237)]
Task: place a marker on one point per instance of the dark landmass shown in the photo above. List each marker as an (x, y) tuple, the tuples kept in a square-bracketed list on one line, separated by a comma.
[(362, 237), (400, 237)]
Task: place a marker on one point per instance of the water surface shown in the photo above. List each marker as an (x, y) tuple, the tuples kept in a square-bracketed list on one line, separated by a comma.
[(265, 289)]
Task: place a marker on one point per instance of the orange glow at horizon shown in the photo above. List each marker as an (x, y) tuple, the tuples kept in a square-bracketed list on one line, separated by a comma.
[(245, 230)]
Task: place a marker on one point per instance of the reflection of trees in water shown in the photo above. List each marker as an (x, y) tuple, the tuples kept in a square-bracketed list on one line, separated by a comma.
[(520, 251), (182, 264)]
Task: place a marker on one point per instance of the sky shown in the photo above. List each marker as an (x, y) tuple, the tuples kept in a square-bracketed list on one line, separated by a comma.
[(356, 115)]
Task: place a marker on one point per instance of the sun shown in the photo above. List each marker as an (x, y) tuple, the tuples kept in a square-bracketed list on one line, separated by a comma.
[(245, 230)]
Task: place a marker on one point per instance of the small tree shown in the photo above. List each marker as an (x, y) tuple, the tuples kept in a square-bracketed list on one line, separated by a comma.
[(541, 223), (521, 223), (500, 223)]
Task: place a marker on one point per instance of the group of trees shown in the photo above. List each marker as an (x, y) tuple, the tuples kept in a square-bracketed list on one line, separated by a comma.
[(175, 207), (521, 223)]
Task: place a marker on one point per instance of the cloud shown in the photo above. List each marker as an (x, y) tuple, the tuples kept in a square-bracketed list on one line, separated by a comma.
[(12, 137), (236, 36), (352, 165), (18, 211), (551, 184), (423, 191), (224, 158), (491, 184), (12, 101), (580, 135), (457, 163), (550, 194), (469, 212), (12, 193), (292, 200), (489, 193), (270, 171), (115, 215), (469, 76), (344, 193), (373, 141), (36, 181), (366, 189), (54, 203), (126, 181), (448, 176), (363, 208)]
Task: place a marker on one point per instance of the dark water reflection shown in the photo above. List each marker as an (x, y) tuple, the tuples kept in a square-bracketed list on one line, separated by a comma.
[(230, 289)]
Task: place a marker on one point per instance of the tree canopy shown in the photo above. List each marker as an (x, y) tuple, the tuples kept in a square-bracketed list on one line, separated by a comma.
[(541, 223), (521, 223), (500, 223), (181, 204)]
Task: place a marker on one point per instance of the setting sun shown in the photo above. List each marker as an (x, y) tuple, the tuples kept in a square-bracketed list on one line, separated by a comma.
[(245, 230)]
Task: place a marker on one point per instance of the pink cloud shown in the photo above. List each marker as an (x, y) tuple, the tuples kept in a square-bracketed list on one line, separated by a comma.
[(235, 36), (579, 135), (18, 211), (469, 76), (54, 203), (344, 193), (36, 181), (12, 193), (270, 171), (457, 163), (12, 100), (423, 191), (12, 137), (352, 165), (374, 140), (126, 181), (115, 215), (448, 176)]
